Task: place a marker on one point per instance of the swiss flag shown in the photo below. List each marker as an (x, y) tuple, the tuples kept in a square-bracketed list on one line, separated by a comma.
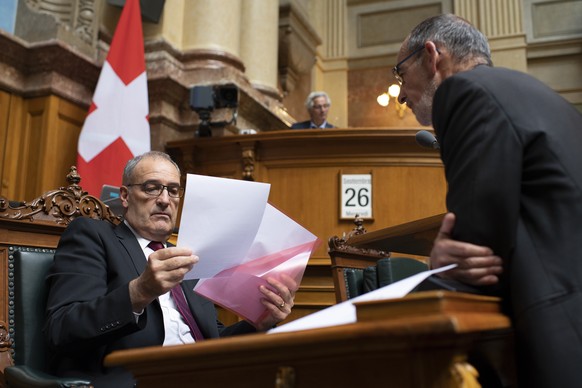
[(117, 127)]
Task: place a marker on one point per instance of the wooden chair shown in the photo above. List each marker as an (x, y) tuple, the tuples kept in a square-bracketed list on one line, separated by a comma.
[(358, 270), (29, 234)]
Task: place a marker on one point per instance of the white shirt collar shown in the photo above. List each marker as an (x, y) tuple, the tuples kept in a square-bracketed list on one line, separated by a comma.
[(143, 242)]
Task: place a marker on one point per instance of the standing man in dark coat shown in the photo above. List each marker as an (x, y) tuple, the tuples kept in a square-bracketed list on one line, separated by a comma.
[(317, 104), (512, 153)]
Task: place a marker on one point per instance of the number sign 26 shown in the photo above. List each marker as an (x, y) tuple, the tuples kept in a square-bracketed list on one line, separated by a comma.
[(355, 195)]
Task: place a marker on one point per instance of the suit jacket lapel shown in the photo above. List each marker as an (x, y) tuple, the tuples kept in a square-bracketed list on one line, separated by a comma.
[(134, 251), (198, 305)]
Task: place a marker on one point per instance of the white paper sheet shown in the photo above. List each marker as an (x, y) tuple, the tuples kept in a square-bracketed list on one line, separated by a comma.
[(220, 219), (345, 312)]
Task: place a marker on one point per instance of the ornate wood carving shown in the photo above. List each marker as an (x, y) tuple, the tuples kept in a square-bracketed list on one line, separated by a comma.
[(248, 162), (5, 346), (77, 15), (60, 206), (341, 245), (5, 351), (359, 229)]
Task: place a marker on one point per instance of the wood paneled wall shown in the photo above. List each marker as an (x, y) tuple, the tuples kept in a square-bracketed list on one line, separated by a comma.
[(38, 142), (304, 167)]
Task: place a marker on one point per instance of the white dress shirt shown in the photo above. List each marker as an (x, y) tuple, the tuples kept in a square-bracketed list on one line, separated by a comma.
[(313, 125), (175, 328)]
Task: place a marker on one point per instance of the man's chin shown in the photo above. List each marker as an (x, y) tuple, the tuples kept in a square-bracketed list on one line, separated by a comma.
[(164, 227), (422, 119)]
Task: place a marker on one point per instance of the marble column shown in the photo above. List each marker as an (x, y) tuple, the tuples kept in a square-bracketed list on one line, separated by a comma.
[(501, 22), (331, 70), (259, 44), (212, 25)]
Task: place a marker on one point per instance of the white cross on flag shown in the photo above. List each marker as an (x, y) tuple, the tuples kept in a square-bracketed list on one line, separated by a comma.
[(116, 128)]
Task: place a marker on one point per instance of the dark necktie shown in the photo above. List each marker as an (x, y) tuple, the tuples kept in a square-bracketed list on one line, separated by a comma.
[(180, 301)]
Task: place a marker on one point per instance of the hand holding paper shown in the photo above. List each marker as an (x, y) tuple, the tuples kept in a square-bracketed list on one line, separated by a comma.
[(241, 241)]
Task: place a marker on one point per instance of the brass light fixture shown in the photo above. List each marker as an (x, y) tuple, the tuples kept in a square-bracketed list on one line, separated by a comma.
[(392, 94)]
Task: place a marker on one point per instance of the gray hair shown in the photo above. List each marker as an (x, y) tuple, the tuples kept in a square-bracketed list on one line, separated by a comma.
[(313, 95), (132, 163), (462, 40)]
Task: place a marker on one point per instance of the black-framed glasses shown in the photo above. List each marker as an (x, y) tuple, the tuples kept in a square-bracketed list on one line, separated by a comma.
[(396, 69), (154, 189)]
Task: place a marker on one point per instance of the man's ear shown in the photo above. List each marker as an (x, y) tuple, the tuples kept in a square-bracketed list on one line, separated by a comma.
[(433, 56), (123, 195)]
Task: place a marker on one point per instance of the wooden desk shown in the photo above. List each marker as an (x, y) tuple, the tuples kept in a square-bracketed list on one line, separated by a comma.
[(422, 340)]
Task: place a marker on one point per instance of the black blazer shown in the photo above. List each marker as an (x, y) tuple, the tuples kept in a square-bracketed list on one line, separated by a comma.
[(512, 153), (307, 125), (89, 312)]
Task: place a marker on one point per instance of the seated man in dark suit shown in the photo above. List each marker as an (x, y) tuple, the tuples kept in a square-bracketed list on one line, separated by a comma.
[(120, 287), (317, 104)]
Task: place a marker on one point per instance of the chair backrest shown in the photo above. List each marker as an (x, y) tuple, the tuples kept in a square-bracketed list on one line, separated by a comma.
[(386, 271), (357, 270), (30, 268), (28, 233), (347, 266), (393, 269)]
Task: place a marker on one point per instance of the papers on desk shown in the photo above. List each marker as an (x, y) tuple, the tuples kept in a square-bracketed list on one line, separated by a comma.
[(241, 241), (345, 312)]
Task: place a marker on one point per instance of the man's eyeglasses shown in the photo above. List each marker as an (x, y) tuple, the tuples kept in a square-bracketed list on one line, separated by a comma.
[(155, 189), (324, 106), (396, 69)]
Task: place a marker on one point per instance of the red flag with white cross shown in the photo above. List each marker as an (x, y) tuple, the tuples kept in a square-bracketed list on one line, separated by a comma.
[(116, 128)]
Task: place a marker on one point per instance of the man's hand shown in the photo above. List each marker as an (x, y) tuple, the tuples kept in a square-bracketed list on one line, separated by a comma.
[(476, 265), (278, 302), (165, 269)]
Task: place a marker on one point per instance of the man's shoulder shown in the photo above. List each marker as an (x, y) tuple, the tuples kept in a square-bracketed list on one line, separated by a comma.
[(91, 223), (495, 81), (301, 125), (486, 74), (82, 230), (480, 78)]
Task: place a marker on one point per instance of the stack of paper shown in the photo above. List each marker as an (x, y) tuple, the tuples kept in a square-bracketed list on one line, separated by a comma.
[(241, 240)]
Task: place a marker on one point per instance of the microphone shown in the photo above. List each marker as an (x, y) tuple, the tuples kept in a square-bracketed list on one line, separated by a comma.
[(427, 139)]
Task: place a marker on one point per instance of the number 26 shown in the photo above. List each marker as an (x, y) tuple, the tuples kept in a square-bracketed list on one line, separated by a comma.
[(362, 197)]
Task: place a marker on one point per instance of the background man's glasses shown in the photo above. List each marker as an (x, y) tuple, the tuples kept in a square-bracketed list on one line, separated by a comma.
[(155, 189), (324, 106)]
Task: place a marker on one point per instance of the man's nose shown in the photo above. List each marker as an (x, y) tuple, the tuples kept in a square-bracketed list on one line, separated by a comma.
[(164, 197), (401, 97)]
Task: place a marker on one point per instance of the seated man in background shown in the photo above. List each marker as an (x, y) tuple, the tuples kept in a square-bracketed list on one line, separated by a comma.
[(120, 287), (511, 150), (317, 104)]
